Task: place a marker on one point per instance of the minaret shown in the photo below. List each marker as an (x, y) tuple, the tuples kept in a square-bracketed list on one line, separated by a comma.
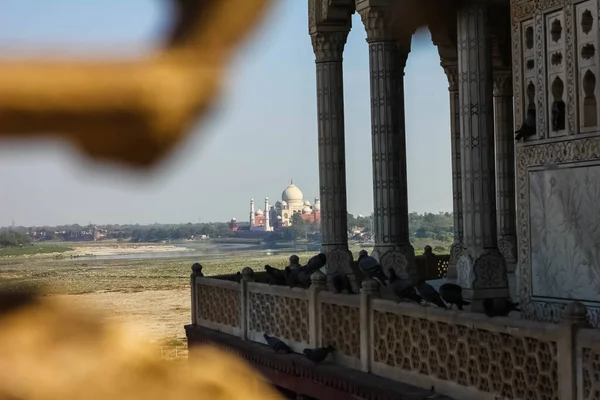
[(267, 226), (251, 213)]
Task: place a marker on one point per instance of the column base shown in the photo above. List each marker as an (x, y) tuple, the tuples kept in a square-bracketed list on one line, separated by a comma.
[(339, 258), (455, 252), (484, 278), (400, 257)]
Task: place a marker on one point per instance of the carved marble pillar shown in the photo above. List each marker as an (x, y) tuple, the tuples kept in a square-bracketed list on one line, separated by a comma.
[(387, 58), (328, 48), (505, 166), (481, 267), (451, 70)]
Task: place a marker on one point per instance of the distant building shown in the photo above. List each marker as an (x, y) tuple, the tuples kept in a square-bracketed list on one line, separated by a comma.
[(280, 215)]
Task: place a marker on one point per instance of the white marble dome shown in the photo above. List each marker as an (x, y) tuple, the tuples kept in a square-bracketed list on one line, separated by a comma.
[(284, 203), (307, 210), (307, 203), (292, 194), (259, 212), (317, 206)]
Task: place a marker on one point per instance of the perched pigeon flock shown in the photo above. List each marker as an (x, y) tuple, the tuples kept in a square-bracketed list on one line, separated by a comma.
[(296, 275), (448, 296)]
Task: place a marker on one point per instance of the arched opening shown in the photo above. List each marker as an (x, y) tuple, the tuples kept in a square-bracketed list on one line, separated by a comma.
[(558, 105), (556, 30), (529, 37), (590, 107), (530, 102)]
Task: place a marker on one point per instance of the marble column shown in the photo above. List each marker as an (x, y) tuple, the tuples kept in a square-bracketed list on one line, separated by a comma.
[(451, 70), (387, 58), (505, 166), (481, 267), (328, 48)]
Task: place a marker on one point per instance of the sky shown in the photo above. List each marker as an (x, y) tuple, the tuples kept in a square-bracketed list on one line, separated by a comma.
[(262, 133)]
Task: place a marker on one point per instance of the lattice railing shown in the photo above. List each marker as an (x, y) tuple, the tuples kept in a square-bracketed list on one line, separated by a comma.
[(461, 354)]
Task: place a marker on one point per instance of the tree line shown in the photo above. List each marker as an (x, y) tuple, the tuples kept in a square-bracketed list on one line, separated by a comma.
[(422, 226)]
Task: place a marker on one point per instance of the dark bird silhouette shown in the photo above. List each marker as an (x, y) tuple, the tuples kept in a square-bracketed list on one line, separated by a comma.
[(341, 282), (402, 288), (318, 355), (499, 307), (291, 276), (294, 261), (528, 128), (197, 268), (276, 276), (430, 295), (277, 344), (371, 267), (452, 294), (297, 277), (238, 277), (300, 276)]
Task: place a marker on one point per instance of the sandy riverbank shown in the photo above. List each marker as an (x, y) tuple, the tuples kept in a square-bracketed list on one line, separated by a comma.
[(123, 249), (154, 315)]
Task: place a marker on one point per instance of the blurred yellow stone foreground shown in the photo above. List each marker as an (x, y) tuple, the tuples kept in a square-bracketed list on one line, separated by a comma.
[(48, 351)]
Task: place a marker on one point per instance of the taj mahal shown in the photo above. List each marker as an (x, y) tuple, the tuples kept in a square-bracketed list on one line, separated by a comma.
[(280, 215)]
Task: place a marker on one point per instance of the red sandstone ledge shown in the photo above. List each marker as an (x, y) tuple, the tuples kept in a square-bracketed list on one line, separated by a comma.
[(294, 372)]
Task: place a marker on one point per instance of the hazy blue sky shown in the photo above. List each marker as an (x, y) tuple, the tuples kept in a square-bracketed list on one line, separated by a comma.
[(263, 133)]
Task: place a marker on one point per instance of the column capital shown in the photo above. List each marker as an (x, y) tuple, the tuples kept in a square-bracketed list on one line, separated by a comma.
[(329, 45), (380, 26), (451, 71), (503, 83)]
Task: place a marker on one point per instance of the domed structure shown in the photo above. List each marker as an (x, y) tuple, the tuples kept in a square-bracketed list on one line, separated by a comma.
[(281, 214), (292, 195)]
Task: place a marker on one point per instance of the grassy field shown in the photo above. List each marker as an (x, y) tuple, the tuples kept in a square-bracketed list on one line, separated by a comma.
[(40, 266), (34, 249), (152, 294), (77, 277)]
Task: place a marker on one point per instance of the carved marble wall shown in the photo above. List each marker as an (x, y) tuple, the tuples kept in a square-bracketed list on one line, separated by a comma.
[(558, 169), (565, 232)]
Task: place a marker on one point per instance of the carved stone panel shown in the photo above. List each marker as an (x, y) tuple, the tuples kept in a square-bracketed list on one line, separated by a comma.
[(586, 27), (505, 365), (528, 94), (565, 232), (558, 192), (556, 61), (541, 76), (340, 328)]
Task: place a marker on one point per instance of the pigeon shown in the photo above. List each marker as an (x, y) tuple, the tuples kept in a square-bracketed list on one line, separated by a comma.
[(452, 294), (316, 262), (528, 128), (237, 277), (371, 267), (297, 277), (430, 295), (341, 282), (276, 344), (402, 288), (276, 276), (301, 275), (318, 355), (499, 307)]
